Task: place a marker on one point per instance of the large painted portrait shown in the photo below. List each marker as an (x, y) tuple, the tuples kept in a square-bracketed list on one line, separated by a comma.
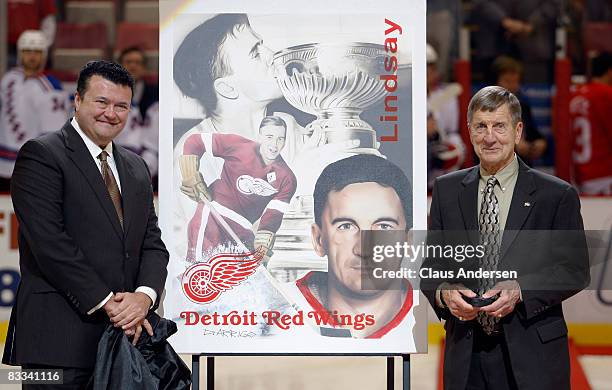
[(292, 133)]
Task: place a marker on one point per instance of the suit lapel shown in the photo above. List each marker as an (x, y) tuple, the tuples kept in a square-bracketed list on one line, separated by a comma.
[(523, 200), (79, 154), (128, 187), (468, 202)]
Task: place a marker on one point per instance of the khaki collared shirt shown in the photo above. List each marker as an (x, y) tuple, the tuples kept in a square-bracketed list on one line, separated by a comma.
[(503, 190)]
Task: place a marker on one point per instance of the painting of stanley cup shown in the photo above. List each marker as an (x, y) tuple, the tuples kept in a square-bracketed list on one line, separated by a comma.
[(335, 82), (263, 105)]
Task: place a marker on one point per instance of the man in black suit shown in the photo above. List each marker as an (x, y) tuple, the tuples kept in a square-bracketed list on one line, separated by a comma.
[(90, 248), (520, 340)]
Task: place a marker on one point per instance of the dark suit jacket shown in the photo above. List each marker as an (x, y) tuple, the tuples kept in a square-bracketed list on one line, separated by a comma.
[(535, 332), (73, 251)]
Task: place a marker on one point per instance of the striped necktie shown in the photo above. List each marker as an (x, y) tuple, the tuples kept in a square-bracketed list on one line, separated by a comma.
[(490, 238), (111, 185)]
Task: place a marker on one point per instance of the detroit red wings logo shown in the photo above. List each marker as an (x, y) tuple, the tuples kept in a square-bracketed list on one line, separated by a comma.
[(204, 282), (249, 185)]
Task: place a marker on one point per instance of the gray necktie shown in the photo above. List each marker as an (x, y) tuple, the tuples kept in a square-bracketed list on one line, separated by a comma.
[(490, 237), (111, 185)]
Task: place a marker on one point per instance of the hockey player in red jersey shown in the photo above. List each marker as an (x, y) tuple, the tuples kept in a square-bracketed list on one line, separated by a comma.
[(592, 130), (356, 194), (255, 184)]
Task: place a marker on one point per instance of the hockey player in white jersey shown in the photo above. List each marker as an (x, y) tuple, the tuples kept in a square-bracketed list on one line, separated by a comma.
[(31, 102), (141, 135)]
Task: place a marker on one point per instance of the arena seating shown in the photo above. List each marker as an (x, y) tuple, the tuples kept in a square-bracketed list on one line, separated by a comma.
[(93, 29), (75, 44), (141, 11), (92, 12), (143, 35)]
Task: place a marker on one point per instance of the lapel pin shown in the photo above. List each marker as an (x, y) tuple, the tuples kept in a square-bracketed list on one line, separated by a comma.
[(527, 204)]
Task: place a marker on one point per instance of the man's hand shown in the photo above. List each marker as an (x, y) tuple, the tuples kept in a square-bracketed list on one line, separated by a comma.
[(111, 307), (452, 296), (133, 308), (515, 26), (263, 243), (194, 187), (193, 184), (136, 331), (509, 294)]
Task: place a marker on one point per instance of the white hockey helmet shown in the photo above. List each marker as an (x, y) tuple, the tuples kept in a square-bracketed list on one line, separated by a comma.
[(33, 40)]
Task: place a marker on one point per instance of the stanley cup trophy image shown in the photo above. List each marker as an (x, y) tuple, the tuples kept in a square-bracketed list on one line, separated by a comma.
[(335, 82)]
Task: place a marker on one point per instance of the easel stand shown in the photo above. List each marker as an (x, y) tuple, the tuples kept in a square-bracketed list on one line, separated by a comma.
[(210, 369)]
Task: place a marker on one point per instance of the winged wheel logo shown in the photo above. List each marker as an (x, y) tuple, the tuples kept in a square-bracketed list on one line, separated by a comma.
[(204, 282)]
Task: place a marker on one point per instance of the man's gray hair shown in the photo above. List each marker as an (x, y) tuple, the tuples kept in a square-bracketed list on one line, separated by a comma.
[(491, 98)]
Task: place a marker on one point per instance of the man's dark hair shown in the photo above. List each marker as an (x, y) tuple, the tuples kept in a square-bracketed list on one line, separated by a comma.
[(199, 60), (601, 64), (132, 49), (362, 168), (108, 70), (505, 64)]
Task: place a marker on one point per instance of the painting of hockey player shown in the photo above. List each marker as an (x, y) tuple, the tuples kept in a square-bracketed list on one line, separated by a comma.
[(31, 101), (255, 185), (362, 192), (224, 65)]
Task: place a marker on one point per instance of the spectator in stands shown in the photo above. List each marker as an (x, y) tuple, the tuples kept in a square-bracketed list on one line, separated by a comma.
[(445, 150), (29, 15), (141, 133), (508, 73), (598, 11), (31, 102), (145, 94), (444, 19), (592, 129), (524, 29)]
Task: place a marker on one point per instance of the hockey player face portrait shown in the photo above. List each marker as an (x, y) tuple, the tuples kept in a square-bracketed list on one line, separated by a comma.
[(357, 207), (103, 109), (250, 62), (271, 141)]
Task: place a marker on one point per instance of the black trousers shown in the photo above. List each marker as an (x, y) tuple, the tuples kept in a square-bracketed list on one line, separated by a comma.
[(490, 368), (73, 378)]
